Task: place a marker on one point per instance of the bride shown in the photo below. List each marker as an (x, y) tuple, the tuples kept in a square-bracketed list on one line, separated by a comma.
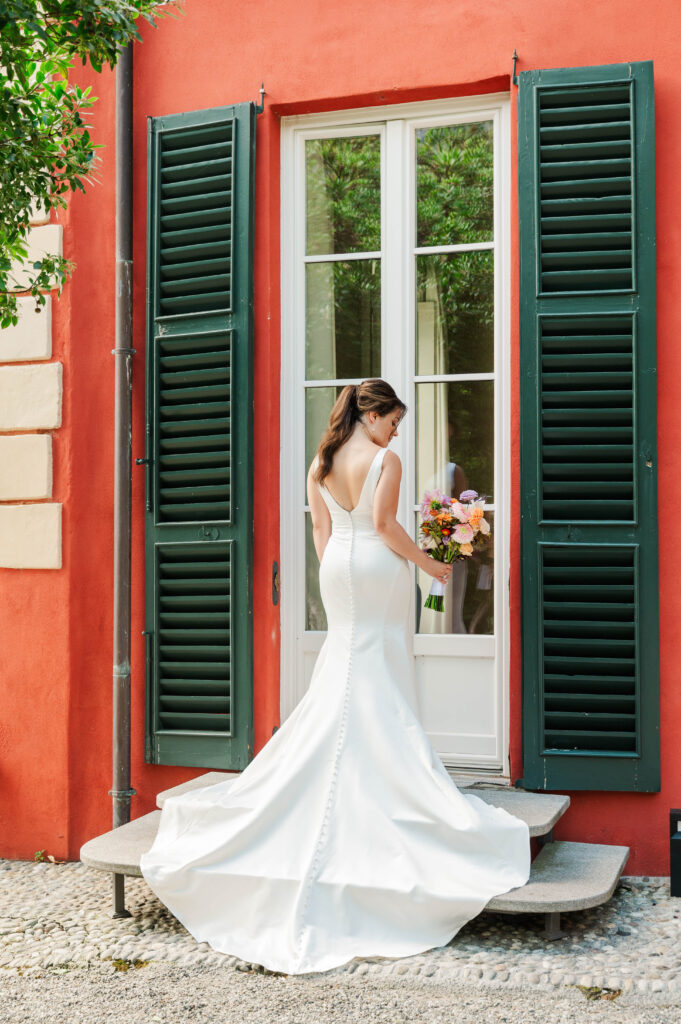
[(345, 836)]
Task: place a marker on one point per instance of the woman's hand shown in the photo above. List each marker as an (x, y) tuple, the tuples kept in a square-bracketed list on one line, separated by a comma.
[(438, 570)]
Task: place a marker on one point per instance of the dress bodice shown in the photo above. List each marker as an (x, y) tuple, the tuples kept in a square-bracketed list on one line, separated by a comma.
[(361, 517)]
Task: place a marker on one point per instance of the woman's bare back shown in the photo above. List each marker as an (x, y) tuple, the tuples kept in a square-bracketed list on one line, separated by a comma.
[(349, 469)]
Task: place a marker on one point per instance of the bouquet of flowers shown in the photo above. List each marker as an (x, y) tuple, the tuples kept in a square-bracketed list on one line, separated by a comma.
[(451, 530)]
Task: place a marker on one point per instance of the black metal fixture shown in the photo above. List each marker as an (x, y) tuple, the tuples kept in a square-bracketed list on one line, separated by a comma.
[(675, 852)]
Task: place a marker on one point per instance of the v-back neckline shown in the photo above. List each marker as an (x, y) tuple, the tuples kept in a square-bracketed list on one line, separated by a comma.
[(361, 493)]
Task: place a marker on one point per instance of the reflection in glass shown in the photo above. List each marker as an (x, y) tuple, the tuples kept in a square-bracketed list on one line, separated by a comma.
[(455, 313), (343, 179), (468, 597), (315, 616), (343, 319), (455, 437), (455, 184)]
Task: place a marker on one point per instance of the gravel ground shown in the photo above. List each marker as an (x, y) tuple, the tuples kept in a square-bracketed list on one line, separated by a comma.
[(64, 958), (172, 994)]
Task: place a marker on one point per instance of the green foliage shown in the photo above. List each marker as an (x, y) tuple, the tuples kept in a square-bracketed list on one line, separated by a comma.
[(455, 184), (47, 149)]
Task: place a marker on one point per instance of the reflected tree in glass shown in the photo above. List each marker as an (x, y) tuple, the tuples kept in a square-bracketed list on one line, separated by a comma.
[(343, 179), (455, 425), (455, 312), (343, 319), (455, 184)]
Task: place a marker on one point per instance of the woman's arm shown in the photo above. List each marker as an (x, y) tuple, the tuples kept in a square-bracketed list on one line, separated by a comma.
[(385, 512), (321, 517)]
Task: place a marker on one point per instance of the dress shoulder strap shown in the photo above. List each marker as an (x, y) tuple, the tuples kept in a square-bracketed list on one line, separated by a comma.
[(374, 474)]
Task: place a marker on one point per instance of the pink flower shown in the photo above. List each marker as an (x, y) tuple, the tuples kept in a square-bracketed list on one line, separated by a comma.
[(437, 496), (463, 534), (459, 512)]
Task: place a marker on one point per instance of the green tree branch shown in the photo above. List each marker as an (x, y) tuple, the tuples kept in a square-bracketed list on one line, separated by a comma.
[(47, 150)]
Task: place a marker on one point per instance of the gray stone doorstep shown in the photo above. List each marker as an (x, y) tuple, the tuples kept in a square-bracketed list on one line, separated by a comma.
[(57, 917)]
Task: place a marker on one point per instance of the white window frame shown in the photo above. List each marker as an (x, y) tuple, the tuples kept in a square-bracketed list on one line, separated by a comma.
[(395, 124)]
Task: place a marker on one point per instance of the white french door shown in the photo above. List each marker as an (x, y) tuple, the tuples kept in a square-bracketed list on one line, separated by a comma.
[(395, 224)]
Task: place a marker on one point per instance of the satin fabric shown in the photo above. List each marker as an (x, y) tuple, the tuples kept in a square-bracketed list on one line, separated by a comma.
[(345, 835)]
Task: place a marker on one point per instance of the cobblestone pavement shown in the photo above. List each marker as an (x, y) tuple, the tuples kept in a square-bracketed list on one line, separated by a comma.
[(56, 918)]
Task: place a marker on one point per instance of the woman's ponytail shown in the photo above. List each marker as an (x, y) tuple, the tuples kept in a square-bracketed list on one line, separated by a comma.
[(352, 403)]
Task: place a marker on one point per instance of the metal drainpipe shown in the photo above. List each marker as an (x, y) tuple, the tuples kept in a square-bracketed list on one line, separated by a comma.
[(121, 790)]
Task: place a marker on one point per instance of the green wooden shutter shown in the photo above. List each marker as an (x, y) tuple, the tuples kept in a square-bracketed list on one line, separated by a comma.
[(199, 487), (586, 171)]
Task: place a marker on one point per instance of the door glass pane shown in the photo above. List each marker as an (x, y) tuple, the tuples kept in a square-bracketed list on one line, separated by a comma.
[(315, 616), (343, 319), (455, 437), (343, 178), (455, 313), (468, 597), (454, 184), (318, 405)]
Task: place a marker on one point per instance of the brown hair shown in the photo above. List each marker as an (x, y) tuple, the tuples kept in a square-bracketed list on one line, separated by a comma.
[(354, 400)]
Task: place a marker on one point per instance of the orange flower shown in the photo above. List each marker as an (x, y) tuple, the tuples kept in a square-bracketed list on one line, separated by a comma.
[(475, 515)]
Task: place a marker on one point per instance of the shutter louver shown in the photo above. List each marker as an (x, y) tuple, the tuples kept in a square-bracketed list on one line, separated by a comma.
[(194, 637), (199, 519), (195, 256), (585, 177), (194, 427), (589, 625), (588, 426), (587, 418)]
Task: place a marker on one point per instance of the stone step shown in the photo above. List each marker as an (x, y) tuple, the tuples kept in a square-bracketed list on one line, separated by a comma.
[(566, 876), (541, 811), (207, 779), (119, 850)]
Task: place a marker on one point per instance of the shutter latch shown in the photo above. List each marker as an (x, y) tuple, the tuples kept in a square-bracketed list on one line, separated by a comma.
[(275, 583)]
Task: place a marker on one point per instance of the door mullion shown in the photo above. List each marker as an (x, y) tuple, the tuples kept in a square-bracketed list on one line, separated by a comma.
[(395, 300)]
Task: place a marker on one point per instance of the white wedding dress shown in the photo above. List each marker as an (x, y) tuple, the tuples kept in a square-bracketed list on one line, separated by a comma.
[(345, 836)]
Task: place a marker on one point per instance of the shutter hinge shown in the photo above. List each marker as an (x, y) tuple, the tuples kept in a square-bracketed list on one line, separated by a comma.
[(259, 107), (514, 77)]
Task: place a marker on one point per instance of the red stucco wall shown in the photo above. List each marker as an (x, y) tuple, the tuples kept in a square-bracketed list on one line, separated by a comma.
[(55, 678)]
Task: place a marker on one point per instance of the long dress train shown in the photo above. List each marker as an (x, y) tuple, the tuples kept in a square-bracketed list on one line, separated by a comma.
[(344, 836)]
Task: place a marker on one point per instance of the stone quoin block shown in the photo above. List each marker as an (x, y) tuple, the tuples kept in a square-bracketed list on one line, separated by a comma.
[(25, 467), (41, 241), (30, 396), (30, 536), (31, 337)]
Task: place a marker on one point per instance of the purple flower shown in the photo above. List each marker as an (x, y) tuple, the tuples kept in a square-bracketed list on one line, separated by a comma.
[(468, 495)]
